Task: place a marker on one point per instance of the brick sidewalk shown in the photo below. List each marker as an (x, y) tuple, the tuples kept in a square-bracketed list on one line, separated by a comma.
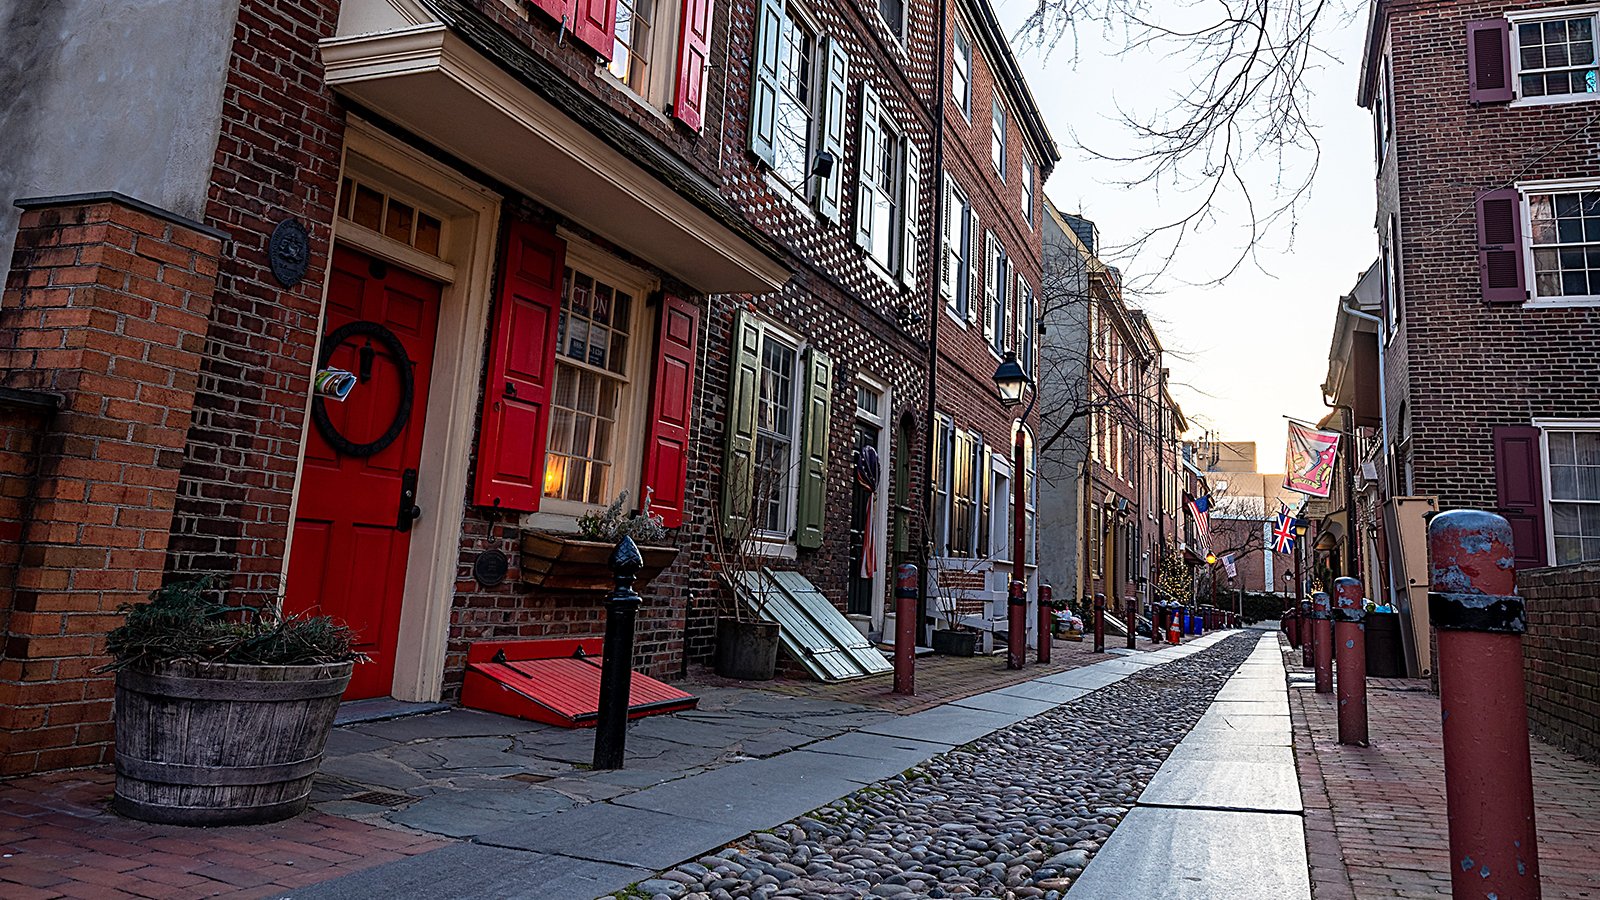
[(1375, 817), (58, 839)]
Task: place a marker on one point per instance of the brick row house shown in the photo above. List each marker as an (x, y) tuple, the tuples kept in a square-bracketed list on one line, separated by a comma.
[(1466, 354), (996, 154), (566, 249), (1113, 479)]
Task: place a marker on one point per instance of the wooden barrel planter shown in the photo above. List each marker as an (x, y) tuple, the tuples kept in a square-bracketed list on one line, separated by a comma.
[(219, 743)]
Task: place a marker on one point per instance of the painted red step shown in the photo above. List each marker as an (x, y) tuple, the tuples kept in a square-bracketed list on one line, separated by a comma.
[(556, 682)]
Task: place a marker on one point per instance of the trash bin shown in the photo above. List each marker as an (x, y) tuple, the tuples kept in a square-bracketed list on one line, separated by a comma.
[(1385, 653)]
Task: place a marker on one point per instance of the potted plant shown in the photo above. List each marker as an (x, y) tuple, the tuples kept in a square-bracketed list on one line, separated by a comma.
[(561, 561), (222, 712), (954, 586), (747, 639)]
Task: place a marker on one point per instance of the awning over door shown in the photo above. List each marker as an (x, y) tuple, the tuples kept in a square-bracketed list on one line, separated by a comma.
[(810, 628), (401, 59)]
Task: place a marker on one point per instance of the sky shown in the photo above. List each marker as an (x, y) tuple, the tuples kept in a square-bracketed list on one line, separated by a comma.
[(1253, 349)]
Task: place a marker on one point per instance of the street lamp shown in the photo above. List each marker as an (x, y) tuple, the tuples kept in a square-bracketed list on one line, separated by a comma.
[(1011, 381)]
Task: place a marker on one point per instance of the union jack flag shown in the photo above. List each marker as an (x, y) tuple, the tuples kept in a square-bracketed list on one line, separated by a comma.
[(1283, 530)]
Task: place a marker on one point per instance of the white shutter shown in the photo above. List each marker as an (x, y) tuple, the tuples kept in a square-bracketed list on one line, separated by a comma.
[(911, 196), (1019, 339), (989, 273), (950, 257), (866, 164), (974, 269), (764, 80), (835, 98)]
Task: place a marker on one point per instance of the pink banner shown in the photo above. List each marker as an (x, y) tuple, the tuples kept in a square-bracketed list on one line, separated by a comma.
[(1309, 466)]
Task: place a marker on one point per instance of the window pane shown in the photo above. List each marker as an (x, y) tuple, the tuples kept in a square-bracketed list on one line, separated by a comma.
[(1562, 447), (1563, 482), (1586, 446), (585, 402), (794, 114)]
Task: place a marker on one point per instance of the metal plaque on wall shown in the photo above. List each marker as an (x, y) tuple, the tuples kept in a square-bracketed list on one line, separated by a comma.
[(289, 251)]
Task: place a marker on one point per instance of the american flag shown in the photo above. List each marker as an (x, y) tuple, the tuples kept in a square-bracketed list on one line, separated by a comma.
[(1283, 530), (1200, 507)]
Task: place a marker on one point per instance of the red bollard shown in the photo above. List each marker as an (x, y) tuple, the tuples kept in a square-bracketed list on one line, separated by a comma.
[(1099, 623), (1488, 774), (1017, 625), (1128, 614), (1046, 621), (1350, 652), (1322, 641), (905, 630), (1158, 624), (1307, 630), (1291, 628)]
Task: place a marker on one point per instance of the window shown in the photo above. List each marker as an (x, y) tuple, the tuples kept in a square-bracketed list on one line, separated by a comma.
[(632, 54), (796, 113), (1027, 189), (885, 199), (1575, 494), (941, 489), (1565, 238), (389, 216), (955, 277), (1555, 57), (593, 375), (777, 425), (961, 73), (997, 138), (894, 15), (1383, 111), (996, 295), (1391, 311), (965, 489)]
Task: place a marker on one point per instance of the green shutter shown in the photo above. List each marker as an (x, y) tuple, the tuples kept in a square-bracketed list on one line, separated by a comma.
[(814, 449), (834, 101), (739, 437), (764, 79)]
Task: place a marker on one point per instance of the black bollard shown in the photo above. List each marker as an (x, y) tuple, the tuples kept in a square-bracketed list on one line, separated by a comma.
[(616, 668)]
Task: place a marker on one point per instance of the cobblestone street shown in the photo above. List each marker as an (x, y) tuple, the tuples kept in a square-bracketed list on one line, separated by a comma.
[(1016, 814)]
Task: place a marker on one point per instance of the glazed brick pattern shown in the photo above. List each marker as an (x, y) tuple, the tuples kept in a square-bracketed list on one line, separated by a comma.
[(277, 157), (105, 307), (1561, 652), (1462, 365)]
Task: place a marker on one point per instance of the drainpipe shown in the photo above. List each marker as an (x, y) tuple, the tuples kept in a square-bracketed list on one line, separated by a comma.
[(930, 453), (1383, 409)]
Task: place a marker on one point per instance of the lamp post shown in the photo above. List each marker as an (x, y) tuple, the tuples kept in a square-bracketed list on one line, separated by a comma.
[(1211, 560), (1011, 381)]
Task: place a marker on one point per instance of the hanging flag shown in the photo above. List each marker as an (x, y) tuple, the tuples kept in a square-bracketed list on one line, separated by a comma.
[(867, 474), (1200, 508), (1308, 468), (1227, 563), (1283, 530)]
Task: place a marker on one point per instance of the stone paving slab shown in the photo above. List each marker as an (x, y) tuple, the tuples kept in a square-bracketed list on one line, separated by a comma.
[(1254, 785), (456, 723), (1246, 729), (1263, 706), (1049, 693), (948, 725), (1224, 751), (618, 835), (1010, 704), (1091, 678), (762, 793), (473, 871), (874, 746)]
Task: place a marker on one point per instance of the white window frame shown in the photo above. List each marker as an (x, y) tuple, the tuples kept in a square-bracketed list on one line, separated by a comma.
[(801, 193), (944, 459), (761, 540), (999, 131), (1524, 188), (996, 300), (627, 458), (1546, 426), (963, 61), (1592, 10), (1029, 174), (959, 303), (898, 31), (662, 81)]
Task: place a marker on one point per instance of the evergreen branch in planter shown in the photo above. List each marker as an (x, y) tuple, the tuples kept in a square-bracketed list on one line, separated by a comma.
[(187, 620)]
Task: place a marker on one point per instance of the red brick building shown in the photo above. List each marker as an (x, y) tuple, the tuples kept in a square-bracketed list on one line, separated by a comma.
[(996, 154), (1486, 187)]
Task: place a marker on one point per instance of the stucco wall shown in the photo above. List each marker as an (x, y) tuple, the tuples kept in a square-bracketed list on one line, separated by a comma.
[(98, 96), (1064, 333)]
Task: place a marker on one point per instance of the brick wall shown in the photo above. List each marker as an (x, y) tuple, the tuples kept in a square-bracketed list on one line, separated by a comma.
[(1561, 653), (1469, 365), (104, 306)]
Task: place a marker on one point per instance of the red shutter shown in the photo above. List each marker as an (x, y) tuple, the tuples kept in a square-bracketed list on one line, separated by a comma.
[(694, 47), (1519, 489), (516, 392), (563, 11), (597, 25), (666, 454), (1500, 263), (1489, 61)]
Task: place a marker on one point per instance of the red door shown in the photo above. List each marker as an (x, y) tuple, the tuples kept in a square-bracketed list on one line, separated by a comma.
[(352, 529)]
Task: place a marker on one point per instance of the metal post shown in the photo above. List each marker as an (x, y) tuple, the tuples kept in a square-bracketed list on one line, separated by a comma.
[(1132, 619), (616, 665), (1017, 602), (905, 629), (1350, 649), (1046, 622), (1099, 623), (1322, 641), (1488, 774)]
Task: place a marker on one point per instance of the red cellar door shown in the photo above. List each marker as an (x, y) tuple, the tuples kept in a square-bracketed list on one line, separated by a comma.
[(352, 527)]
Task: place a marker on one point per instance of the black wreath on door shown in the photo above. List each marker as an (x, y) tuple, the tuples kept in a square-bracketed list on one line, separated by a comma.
[(390, 342)]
